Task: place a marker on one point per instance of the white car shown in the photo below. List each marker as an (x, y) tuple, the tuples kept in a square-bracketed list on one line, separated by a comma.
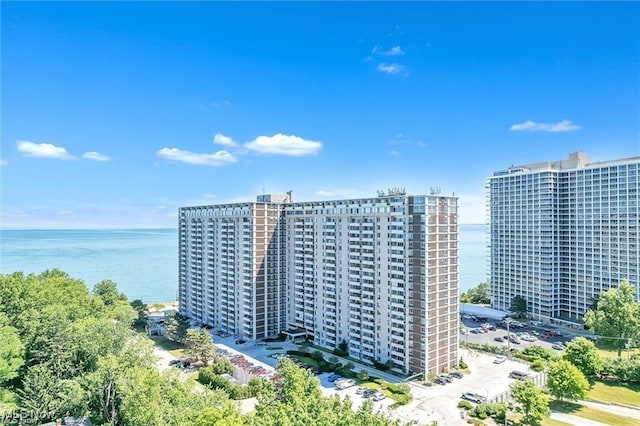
[(499, 359)]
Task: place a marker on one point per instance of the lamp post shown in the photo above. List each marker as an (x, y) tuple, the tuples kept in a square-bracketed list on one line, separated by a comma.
[(508, 321)]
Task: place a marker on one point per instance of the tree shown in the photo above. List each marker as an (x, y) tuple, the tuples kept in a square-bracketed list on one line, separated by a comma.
[(226, 416), (519, 306), (221, 366), (617, 316), (141, 310), (200, 345), (107, 290), (478, 294), (342, 349), (532, 400), (262, 389), (11, 351), (564, 380), (583, 354), (176, 326)]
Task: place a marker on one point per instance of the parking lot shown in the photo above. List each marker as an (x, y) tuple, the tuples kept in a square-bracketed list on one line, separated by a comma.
[(439, 402), (430, 403), (468, 336)]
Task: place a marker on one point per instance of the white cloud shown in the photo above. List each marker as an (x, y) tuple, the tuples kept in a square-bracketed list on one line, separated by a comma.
[(3, 162), (394, 51), (216, 159), (43, 150), (394, 153), (284, 144), (93, 155), (220, 139), (532, 126), (391, 68), (323, 193)]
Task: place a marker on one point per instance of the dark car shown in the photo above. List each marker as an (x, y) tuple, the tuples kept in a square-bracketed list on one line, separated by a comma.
[(498, 339), (332, 378), (457, 375), (440, 381), (240, 341)]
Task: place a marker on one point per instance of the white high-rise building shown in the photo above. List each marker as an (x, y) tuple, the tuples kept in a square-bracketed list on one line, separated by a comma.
[(562, 232), (379, 273)]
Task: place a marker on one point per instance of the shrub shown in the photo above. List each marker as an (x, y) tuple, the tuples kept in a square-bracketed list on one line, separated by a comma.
[(363, 375), (465, 404), (402, 399), (463, 364), (317, 355), (342, 349), (537, 365), (538, 352), (221, 366), (399, 388)]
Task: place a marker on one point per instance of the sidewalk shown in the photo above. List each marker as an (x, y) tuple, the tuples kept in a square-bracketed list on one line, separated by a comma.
[(575, 420), (613, 409)]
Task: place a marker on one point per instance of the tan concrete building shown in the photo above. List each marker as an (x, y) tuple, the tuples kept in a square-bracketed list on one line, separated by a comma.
[(379, 273)]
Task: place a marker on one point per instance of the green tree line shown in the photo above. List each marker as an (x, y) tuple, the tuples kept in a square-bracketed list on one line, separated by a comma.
[(68, 351)]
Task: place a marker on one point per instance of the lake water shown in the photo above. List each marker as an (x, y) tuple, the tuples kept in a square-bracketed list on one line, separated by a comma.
[(144, 262)]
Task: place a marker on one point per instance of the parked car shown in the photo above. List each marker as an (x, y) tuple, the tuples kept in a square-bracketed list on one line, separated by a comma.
[(457, 375), (473, 397), (520, 375), (240, 341), (440, 381), (499, 359), (446, 378), (368, 393), (379, 397), (499, 339), (559, 347), (332, 378), (345, 383)]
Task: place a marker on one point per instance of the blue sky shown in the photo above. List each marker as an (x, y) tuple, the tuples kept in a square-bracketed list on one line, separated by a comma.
[(116, 114)]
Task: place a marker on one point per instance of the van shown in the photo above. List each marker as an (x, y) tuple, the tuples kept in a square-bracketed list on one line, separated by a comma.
[(518, 375)]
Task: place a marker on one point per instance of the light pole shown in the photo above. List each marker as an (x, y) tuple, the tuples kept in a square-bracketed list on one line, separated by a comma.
[(508, 321)]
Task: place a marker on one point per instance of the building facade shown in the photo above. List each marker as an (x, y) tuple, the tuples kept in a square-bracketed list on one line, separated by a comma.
[(380, 274), (562, 232)]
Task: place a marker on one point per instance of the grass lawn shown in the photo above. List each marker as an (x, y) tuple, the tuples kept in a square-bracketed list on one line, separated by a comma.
[(606, 351), (173, 348), (593, 414), (309, 361), (616, 392), (545, 422), (370, 385)]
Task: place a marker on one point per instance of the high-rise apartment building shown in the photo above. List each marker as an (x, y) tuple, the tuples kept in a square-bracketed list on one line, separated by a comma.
[(561, 232), (378, 273)]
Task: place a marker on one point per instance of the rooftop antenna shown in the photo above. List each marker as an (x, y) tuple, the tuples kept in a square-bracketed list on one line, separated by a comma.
[(263, 193)]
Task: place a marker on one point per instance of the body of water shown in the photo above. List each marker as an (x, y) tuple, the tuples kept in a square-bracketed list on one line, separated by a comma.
[(144, 262)]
